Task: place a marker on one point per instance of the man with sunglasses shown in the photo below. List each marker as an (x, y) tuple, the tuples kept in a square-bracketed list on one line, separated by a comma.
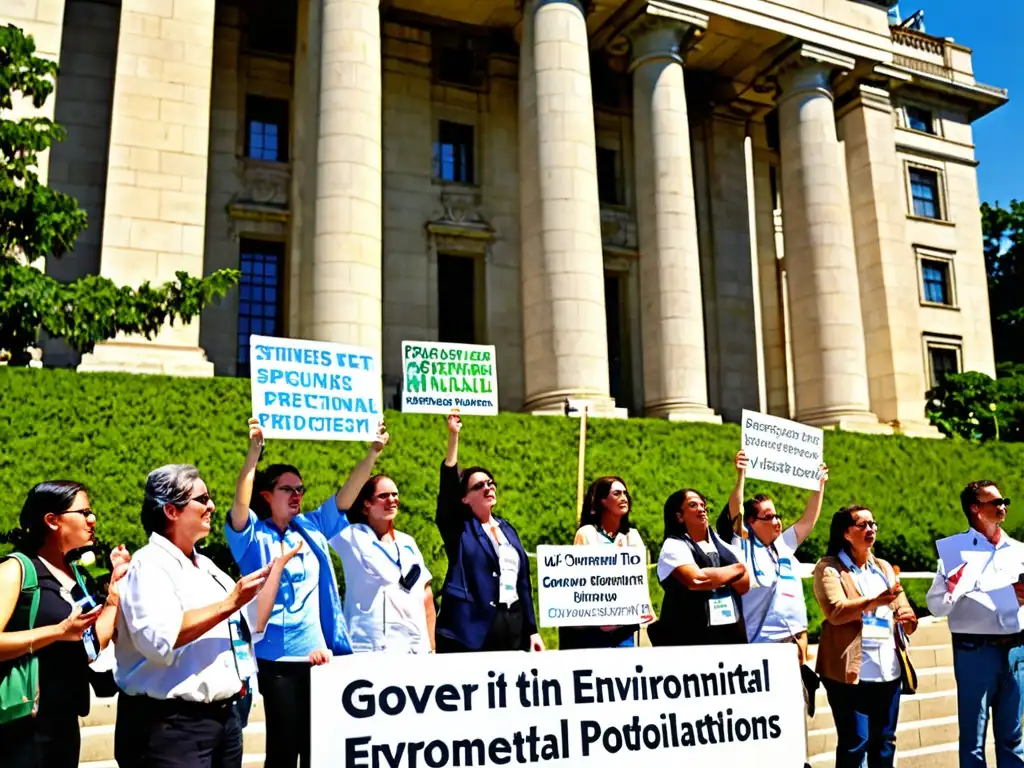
[(979, 586)]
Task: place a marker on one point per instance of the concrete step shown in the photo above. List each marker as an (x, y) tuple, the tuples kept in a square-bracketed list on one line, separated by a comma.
[(912, 734), (938, 756)]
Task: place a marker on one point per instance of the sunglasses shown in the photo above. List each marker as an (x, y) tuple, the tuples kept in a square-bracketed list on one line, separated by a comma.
[(203, 499), (769, 518), (865, 525), (298, 490), (483, 484), (998, 502)]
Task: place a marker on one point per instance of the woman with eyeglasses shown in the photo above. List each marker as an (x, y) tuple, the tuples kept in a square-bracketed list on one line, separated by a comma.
[(486, 599), (702, 577), (865, 609), (604, 522), (389, 605), (306, 623), (40, 729), (184, 651)]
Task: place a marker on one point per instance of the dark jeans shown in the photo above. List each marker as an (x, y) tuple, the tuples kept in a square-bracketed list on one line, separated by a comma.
[(506, 633), (865, 715), (989, 676), (284, 686), (48, 740), (152, 733)]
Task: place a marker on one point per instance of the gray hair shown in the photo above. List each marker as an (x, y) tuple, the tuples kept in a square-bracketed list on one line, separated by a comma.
[(169, 484)]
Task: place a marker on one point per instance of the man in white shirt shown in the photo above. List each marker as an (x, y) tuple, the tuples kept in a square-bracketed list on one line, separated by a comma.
[(979, 585)]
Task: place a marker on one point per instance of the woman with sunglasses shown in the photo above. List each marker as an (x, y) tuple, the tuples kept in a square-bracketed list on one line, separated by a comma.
[(389, 605), (56, 524), (486, 600), (604, 522), (865, 609), (306, 623)]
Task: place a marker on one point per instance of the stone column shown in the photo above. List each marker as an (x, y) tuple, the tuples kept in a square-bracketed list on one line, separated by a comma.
[(829, 362), (672, 311), (346, 269), (154, 217), (886, 264), (565, 344)]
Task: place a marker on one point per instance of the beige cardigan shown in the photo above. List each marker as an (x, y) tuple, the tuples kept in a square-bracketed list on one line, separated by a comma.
[(839, 650)]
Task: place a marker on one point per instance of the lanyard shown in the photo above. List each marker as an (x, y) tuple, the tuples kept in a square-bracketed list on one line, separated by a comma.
[(749, 545), (397, 560), (859, 573)]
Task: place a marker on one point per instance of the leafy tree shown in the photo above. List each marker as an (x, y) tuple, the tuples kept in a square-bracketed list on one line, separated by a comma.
[(1003, 230), (36, 222), (974, 406)]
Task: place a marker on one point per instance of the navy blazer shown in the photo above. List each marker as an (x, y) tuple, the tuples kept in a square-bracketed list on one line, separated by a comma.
[(469, 597)]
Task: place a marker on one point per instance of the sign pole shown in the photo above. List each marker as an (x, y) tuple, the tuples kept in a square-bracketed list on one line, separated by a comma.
[(581, 460)]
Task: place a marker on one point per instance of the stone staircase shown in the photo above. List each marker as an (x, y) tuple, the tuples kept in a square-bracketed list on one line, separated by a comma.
[(926, 737)]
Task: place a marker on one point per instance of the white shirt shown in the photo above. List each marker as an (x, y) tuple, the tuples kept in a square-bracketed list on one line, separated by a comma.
[(591, 534), (381, 615), (878, 660), (985, 602), (774, 608), (676, 552), (161, 584)]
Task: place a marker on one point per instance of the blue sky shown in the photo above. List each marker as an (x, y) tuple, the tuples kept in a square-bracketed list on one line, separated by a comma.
[(994, 29)]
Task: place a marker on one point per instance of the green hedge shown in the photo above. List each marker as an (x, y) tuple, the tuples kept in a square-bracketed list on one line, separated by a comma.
[(110, 430)]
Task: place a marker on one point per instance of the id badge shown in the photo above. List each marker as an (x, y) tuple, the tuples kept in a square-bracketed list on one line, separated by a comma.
[(240, 648), (876, 630), (722, 611), (788, 584), (508, 566), (89, 639)]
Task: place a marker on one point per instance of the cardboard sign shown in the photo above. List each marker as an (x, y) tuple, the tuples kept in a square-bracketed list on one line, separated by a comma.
[(592, 586), (782, 451), (442, 378)]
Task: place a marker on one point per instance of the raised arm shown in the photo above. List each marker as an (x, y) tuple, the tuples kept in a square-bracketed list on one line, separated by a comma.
[(106, 624), (346, 495), (431, 611), (803, 527), (736, 497), (451, 457), (239, 517)]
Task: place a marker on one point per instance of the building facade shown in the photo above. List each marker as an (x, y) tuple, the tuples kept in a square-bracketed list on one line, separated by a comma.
[(675, 209)]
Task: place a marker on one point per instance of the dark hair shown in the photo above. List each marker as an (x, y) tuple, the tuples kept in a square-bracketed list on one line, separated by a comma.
[(841, 522), (169, 484), (54, 496), (468, 473), (969, 496), (750, 506), (598, 491), (674, 528), (265, 480), (357, 514)]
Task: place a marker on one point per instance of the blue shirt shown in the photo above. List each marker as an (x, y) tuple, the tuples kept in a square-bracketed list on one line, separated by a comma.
[(294, 628)]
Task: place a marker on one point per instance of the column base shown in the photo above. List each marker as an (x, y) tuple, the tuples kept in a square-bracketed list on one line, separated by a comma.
[(917, 428), (135, 357), (553, 404), (694, 412)]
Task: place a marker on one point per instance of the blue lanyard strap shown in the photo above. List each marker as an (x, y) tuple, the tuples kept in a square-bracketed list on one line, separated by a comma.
[(398, 554)]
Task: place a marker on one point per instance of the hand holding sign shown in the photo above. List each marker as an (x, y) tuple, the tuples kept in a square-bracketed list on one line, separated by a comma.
[(255, 441), (454, 424), (741, 463), (380, 439)]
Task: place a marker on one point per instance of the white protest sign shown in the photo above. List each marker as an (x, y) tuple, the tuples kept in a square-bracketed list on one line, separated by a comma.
[(592, 586), (782, 451), (441, 377), (736, 705), (314, 390)]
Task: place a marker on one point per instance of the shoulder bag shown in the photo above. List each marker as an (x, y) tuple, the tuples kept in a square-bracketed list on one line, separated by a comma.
[(19, 678)]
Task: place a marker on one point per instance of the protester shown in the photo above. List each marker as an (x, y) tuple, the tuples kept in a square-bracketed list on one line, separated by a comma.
[(306, 622), (864, 609), (978, 586), (183, 650), (486, 600), (39, 727), (389, 605), (604, 521), (702, 577)]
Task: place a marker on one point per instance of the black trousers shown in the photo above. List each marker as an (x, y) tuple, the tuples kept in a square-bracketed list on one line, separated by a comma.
[(153, 733), (284, 686), (48, 740), (506, 633)]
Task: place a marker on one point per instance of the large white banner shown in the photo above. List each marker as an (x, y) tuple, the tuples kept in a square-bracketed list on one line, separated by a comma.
[(592, 586), (441, 377), (313, 390), (782, 451), (737, 705)]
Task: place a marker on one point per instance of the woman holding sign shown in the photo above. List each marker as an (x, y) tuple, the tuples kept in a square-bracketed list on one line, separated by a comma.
[(866, 616), (702, 578), (604, 522), (306, 622), (486, 600)]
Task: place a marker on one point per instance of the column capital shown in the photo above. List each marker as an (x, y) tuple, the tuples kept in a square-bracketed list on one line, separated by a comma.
[(809, 68), (864, 95), (661, 33)]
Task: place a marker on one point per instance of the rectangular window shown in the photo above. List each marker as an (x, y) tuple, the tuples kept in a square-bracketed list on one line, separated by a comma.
[(456, 299), (266, 129), (260, 295), (935, 282), (919, 119), (459, 59), (453, 153), (943, 359), (608, 176), (924, 191)]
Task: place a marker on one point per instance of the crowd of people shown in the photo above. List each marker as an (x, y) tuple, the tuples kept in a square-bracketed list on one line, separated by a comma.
[(190, 642)]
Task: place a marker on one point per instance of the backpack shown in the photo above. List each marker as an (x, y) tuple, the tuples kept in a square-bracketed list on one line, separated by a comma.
[(19, 679)]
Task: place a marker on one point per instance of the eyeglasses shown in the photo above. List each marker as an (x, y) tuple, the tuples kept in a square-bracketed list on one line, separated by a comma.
[(997, 502), (769, 518), (298, 490), (82, 512), (203, 499), (618, 494), (385, 495), (866, 524), (483, 484)]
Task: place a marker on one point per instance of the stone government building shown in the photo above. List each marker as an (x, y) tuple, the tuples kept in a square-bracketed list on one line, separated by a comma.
[(678, 209)]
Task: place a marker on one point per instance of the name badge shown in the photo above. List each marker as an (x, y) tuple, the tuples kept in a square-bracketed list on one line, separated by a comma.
[(876, 630), (240, 649), (508, 565), (789, 586), (722, 611)]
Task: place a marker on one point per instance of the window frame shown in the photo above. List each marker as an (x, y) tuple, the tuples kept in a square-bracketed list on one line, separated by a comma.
[(618, 187), (925, 255), (479, 53), (932, 341), (933, 119), (473, 164), (480, 335), (940, 192), (263, 247), (284, 128)]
